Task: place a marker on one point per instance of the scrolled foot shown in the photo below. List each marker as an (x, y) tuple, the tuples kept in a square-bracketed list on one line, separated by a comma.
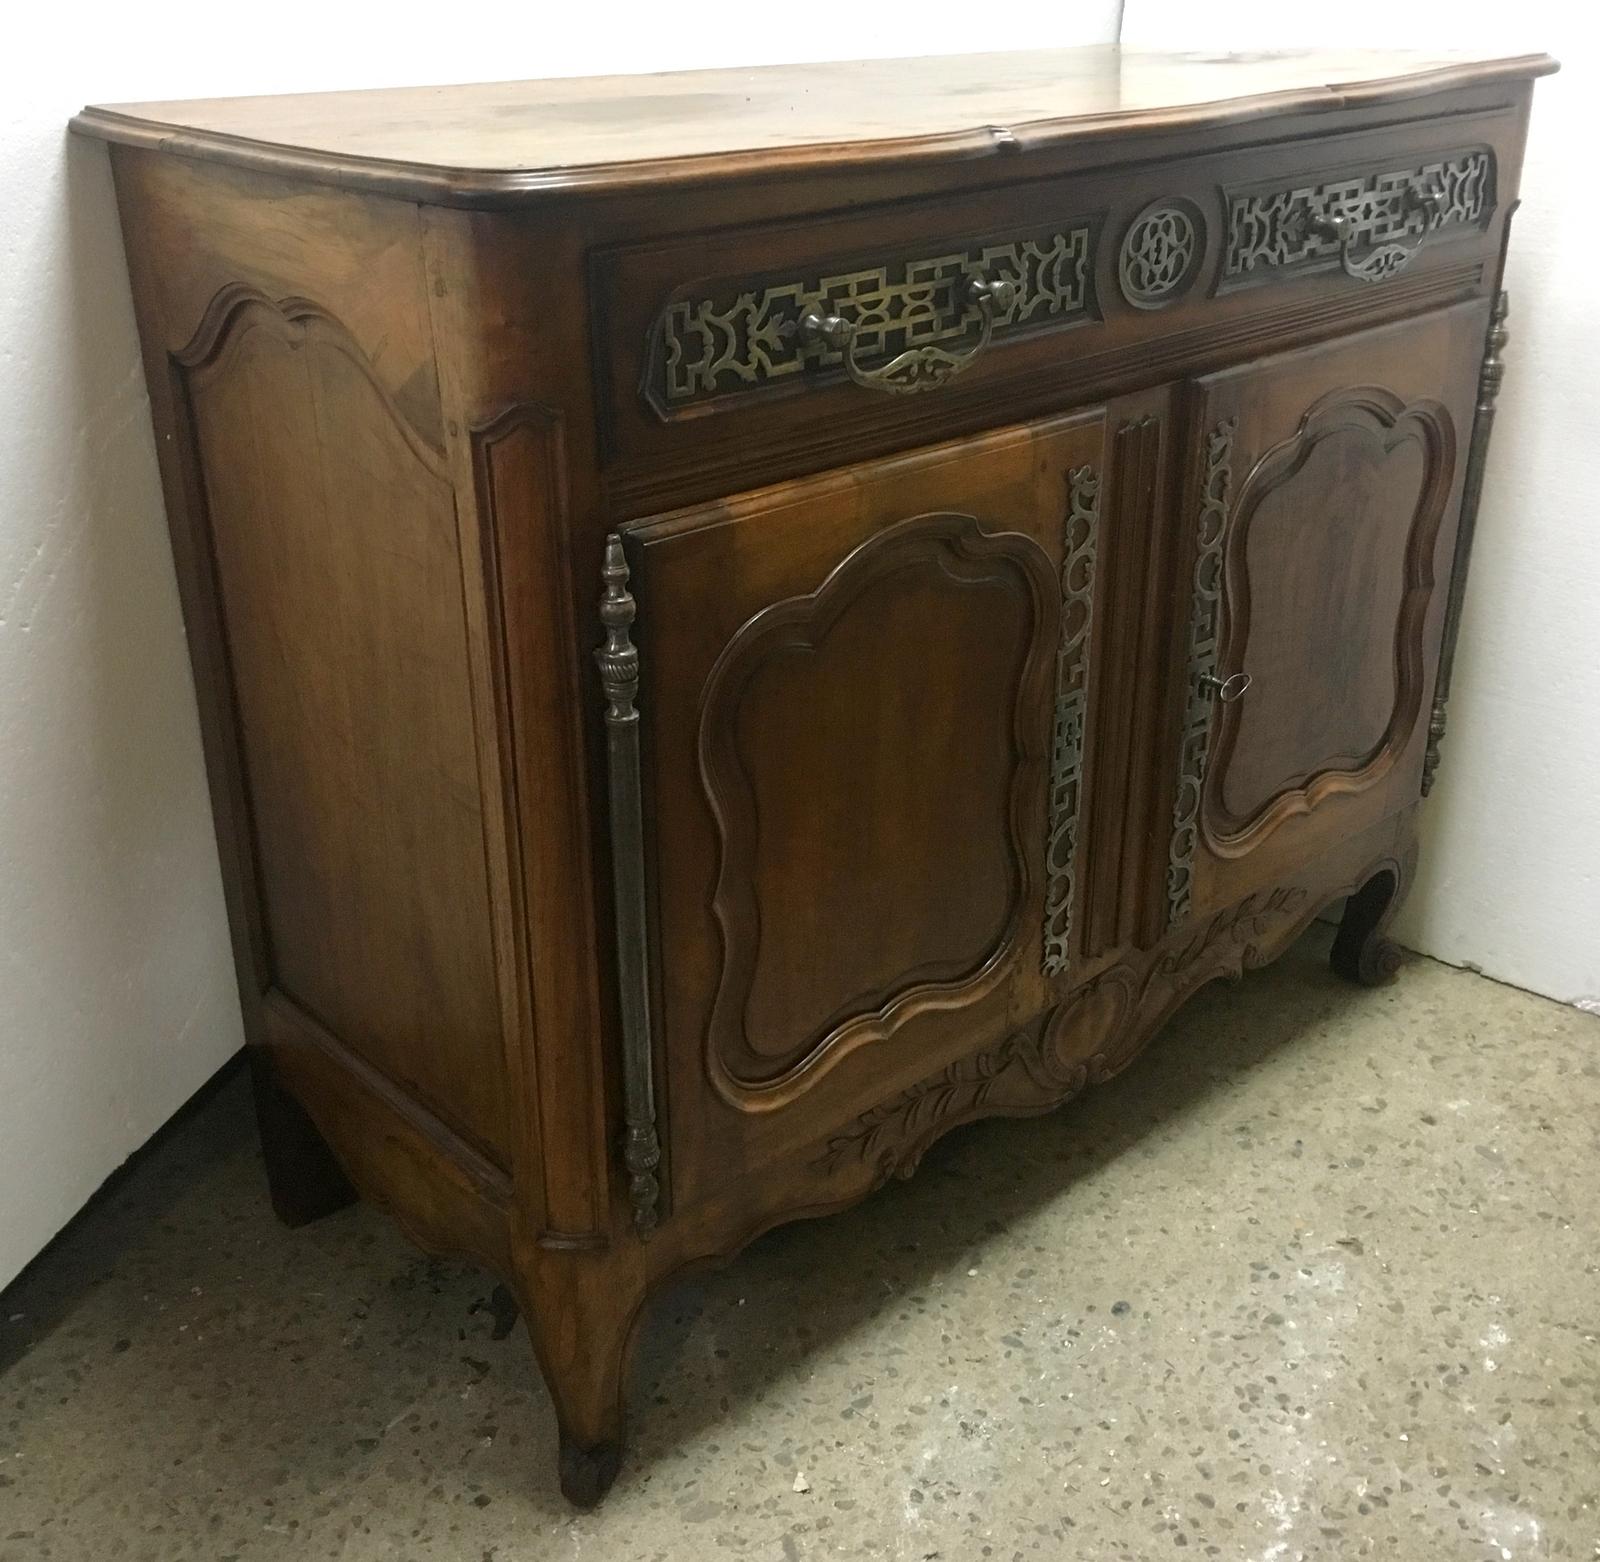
[(1361, 952), (1372, 964), (587, 1473)]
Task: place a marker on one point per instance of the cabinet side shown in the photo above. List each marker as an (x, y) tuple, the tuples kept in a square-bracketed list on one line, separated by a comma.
[(336, 619)]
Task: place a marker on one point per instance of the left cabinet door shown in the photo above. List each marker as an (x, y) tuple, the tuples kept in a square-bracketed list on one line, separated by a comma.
[(855, 778)]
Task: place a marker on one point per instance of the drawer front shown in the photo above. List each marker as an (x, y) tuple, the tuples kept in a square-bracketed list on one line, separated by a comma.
[(739, 337), (1368, 223), (749, 353)]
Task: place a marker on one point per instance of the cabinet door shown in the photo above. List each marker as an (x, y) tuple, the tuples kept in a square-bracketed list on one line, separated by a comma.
[(1322, 503), (849, 690)]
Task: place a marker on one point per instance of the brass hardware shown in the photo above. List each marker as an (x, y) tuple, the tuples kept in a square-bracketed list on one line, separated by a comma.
[(618, 660), (1377, 264), (1205, 634), (741, 336), (1226, 689), (1273, 229), (1489, 379), (1429, 202), (1079, 542), (917, 368)]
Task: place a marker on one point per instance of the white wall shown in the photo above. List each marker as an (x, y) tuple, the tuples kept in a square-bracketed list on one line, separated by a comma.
[(1510, 877), (116, 992)]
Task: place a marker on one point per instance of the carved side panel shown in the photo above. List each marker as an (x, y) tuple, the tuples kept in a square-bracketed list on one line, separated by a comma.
[(331, 526), (1080, 540), (871, 753), (1205, 615)]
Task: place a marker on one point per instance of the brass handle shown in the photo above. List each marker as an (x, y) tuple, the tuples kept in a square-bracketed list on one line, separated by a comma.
[(1227, 689), (1385, 260), (918, 368)]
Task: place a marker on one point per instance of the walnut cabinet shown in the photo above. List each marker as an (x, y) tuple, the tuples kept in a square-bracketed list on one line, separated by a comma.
[(744, 622)]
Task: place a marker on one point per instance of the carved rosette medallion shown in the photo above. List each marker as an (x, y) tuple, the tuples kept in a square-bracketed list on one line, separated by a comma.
[(1160, 254), (1205, 623), (1071, 711)]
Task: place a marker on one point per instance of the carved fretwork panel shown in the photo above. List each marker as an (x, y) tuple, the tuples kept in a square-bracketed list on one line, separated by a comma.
[(341, 500), (1280, 229), (743, 335)]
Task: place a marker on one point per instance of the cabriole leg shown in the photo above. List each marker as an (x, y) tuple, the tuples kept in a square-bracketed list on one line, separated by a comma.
[(1361, 951), (582, 1331)]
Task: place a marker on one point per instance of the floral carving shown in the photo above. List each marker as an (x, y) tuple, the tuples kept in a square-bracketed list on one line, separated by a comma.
[(1036, 1068), (1084, 1041), (1253, 918)]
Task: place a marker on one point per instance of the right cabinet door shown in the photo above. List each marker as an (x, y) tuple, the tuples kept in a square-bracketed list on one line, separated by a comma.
[(1319, 516)]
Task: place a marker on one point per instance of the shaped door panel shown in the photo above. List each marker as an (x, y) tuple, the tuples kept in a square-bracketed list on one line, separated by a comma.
[(1324, 490), (849, 690)]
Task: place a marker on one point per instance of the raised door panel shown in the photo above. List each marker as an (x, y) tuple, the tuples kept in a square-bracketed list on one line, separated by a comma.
[(850, 690), (1324, 495)]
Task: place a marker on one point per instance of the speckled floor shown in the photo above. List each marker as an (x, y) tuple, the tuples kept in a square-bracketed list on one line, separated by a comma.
[(1319, 1278)]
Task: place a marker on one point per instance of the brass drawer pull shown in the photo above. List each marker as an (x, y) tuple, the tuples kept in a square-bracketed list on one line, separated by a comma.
[(1385, 260), (918, 368)]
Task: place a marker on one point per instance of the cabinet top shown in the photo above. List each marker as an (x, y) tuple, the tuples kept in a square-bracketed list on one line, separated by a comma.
[(512, 140)]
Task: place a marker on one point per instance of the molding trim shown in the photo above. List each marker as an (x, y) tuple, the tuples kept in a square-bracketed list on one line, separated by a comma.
[(1489, 382)]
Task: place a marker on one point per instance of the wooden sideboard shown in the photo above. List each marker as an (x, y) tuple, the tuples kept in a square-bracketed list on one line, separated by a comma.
[(744, 619)]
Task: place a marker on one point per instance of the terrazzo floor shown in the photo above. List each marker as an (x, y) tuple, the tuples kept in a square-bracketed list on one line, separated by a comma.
[(1318, 1278)]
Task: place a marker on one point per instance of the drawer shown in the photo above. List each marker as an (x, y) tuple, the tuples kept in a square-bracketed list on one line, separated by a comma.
[(744, 353)]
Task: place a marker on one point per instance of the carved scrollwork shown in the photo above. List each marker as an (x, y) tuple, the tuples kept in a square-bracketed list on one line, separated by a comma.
[(1205, 616), (1321, 226), (892, 1135), (1241, 926), (1071, 711), (1085, 1040), (1034, 1069), (1160, 253), (743, 335)]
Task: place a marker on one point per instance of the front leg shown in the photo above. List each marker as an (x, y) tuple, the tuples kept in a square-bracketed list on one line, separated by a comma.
[(303, 1178), (581, 1314), (1362, 953)]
